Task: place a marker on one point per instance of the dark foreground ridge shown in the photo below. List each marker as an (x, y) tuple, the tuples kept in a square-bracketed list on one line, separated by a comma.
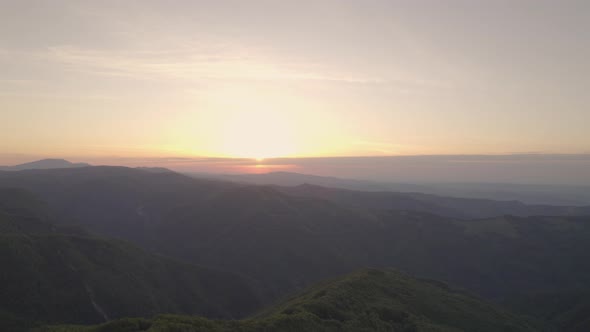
[(367, 300)]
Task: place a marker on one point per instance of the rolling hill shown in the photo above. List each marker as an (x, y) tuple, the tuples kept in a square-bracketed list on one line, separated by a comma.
[(366, 300), (62, 274)]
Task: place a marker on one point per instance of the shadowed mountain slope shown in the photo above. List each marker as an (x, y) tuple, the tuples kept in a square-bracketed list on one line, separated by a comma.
[(61, 274), (367, 300), (567, 310)]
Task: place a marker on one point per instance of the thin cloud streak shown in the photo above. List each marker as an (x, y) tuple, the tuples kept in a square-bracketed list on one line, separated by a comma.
[(190, 65)]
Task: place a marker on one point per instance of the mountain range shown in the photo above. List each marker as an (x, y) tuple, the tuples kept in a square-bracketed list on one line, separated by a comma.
[(235, 248), (552, 194)]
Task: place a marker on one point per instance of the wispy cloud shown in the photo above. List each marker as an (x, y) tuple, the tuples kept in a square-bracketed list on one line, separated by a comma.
[(192, 64)]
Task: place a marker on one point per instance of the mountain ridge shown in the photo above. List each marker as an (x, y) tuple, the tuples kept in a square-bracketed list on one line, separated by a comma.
[(365, 300), (44, 164), (527, 193)]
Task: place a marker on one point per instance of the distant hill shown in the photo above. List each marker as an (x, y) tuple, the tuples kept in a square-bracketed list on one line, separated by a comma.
[(296, 179), (44, 164), (367, 300), (465, 208), (526, 193), (59, 274)]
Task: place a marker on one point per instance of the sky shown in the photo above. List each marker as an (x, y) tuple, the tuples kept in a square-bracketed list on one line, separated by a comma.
[(266, 79)]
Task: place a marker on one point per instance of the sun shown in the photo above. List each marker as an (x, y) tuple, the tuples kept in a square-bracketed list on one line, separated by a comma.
[(258, 135), (245, 121)]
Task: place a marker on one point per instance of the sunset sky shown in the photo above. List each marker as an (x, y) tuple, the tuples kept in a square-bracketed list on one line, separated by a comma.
[(262, 79)]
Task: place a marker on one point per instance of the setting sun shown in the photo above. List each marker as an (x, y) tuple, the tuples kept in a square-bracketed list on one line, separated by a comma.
[(258, 135), (246, 122)]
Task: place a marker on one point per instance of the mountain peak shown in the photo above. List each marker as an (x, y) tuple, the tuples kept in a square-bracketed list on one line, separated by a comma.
[(44, 164)]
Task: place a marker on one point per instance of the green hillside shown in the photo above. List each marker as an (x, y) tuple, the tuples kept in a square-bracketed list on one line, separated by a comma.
[(368, 300), (51, 275)]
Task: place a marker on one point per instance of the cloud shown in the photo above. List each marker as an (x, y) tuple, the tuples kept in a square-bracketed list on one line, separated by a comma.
[(192, 63)]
